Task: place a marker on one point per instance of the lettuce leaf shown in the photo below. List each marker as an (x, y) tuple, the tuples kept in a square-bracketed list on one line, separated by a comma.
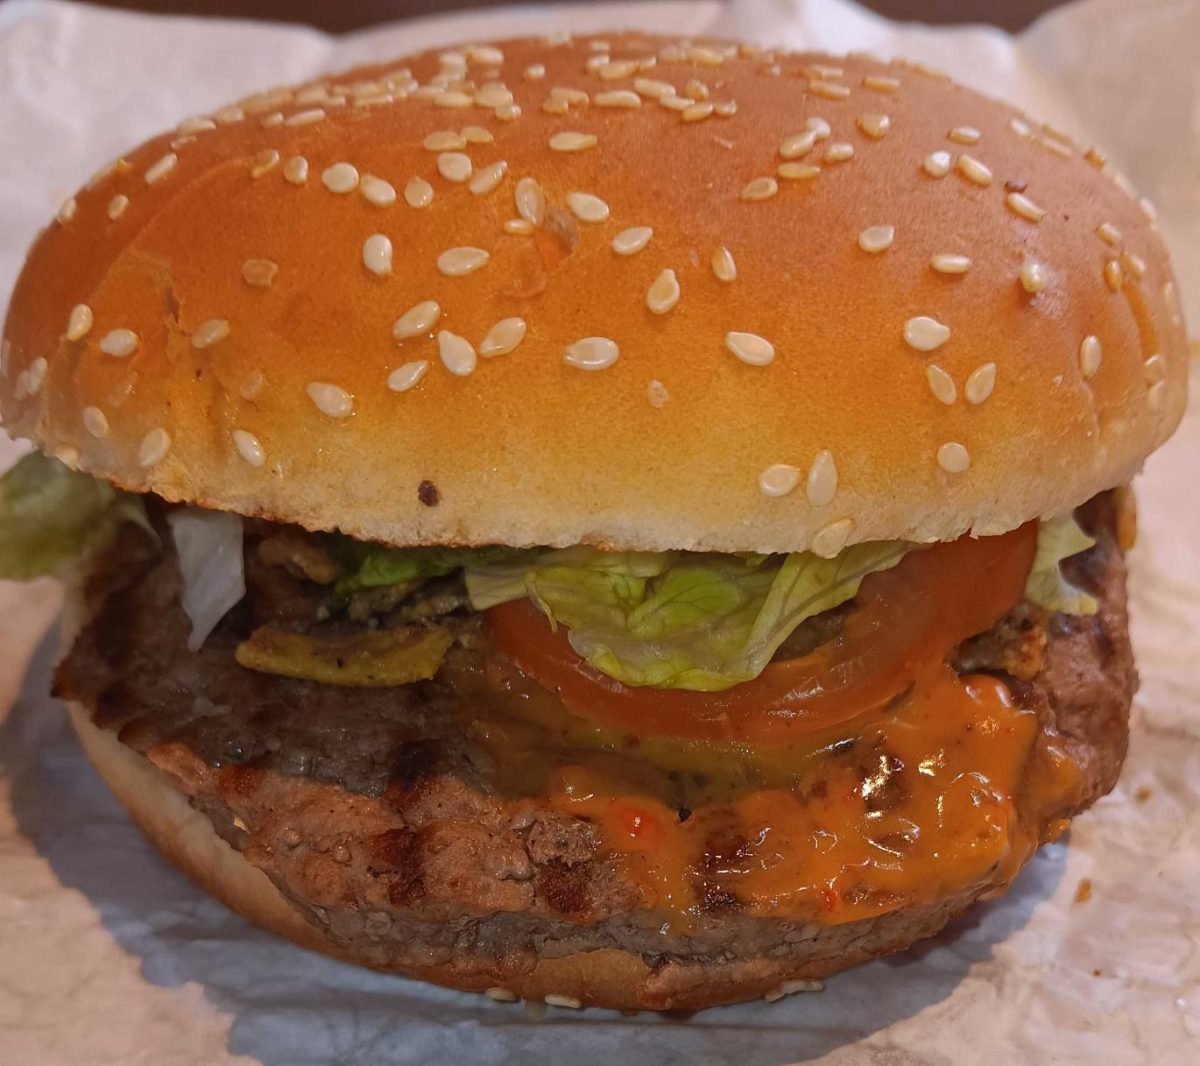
[(368, 566), (1058, 539), (51, 515), (679, 619)]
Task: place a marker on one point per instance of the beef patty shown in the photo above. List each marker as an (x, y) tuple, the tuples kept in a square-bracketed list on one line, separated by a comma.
[(390, 819)]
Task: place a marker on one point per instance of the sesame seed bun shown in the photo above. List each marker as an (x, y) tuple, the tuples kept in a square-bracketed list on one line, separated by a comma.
[(874, 304)]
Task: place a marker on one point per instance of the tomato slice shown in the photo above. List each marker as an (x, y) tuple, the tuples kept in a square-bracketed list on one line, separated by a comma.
[(904, 623)]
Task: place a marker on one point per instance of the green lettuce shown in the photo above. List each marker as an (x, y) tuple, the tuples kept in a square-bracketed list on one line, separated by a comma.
[(679, 619), (369, 566), (51, 515), (1058, 539)]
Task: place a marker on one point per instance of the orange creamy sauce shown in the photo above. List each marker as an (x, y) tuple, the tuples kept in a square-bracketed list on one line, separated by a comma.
[(909, 805)]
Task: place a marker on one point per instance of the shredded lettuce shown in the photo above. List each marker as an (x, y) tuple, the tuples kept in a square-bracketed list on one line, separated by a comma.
[(679, 619), (1058, 539), (368, 566), (50, 515)]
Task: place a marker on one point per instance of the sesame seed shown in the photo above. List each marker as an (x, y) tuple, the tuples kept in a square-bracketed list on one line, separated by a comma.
[(653, 89), (1019, 127), (1149, 210), (695, 90), (161, 168), (1170, 297), (295, 170), (154, 447), (520, 227), (305, 118), (555, 1000), (760, 189), (485, 54), (829, 540), (725, 108), (820, 127), (259, 272), (573, 97), (196, 124), (36, 375), (632, 240), (1056, 146), (486, 179), (377, 254), (663, 294), (964, 135), (454, 166), (417, 320), (697, 112), (377, 191), (67, 454), (209, 332), (460, 261), (876, 238), (1090, 355), (674, 103), (973, 170), (822, 479), (750, 348), (1108, 233), (534, 72), (263, 161), (508, 113), (1157, 394), (248, 447), (477, 135), (1095, 157), (618, 98), (1155, 368), (181, 142), (828, 89), (953, 458), (555, 105), (797, 171), (340, 178), (1034, 276), (586, 207), (874, 125), (798, 144), (503, 337), (117, 205), (778, 480), (838, 152), (937, 164), (95, 421), (119, 343), (592, 353), (79, 322), (925, 333), (980, 383), (454, 100), (418, 193), (880, 84), (229, 115), (331, 400), (252, 384), (445, 141), (405, 377), (657, 395), (1135, 264), (723, 266), (950, 263), (941, 384), (1114, 276), (612, 71), (269, 122), (571, 141), (1020, 204), (530, 201), (456, 353)]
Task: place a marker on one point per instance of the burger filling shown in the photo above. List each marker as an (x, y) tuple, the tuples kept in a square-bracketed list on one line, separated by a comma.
[(786, 737)]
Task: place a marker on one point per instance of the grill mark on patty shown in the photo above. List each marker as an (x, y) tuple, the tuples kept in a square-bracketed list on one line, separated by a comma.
[(565, 887)]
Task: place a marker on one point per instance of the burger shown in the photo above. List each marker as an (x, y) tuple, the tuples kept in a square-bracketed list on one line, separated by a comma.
[(632, 521)]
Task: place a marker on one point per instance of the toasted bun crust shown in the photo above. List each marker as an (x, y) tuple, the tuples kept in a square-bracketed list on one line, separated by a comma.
[(666, 447)]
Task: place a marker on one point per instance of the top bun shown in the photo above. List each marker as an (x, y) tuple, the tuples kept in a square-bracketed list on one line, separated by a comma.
[(973, 322)]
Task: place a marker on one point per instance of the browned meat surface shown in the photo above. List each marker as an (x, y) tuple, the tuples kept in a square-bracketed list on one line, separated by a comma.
[(379, 817)]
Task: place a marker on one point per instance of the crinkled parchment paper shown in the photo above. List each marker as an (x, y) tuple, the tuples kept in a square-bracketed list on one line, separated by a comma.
[(109, 956)]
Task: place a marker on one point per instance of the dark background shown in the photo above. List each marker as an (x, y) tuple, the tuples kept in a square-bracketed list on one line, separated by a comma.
[(341, 15)]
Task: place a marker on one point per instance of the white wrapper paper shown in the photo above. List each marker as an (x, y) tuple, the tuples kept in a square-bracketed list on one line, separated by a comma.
[(109, 956)]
